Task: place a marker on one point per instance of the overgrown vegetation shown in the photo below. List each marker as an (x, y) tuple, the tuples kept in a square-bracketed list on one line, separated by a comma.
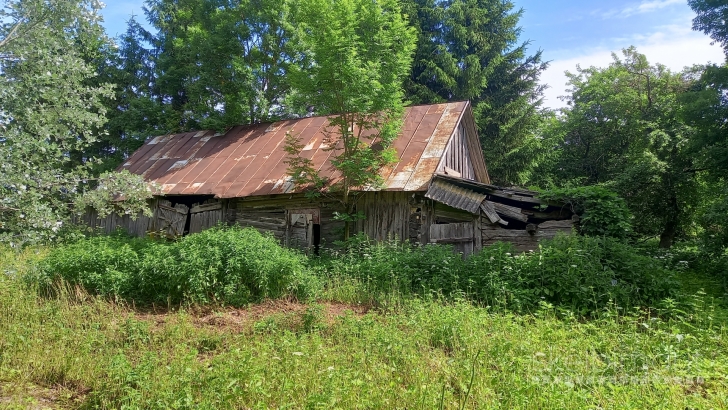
[(591, 321), (234, 266), (601, 211), (218, 266), (579, 273), (77, 350)]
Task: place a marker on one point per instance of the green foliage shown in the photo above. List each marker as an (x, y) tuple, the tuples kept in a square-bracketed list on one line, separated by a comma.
[(705, 107), (715, 228), (624, 128), (218, 266), (51, 109), (580, 273), (355, 55), (301, 169), (97, 354), (711, 19), (470, 50), (602, 212), (101, 265)]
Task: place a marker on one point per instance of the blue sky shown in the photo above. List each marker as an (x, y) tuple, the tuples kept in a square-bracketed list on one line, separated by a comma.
[(572, 32)]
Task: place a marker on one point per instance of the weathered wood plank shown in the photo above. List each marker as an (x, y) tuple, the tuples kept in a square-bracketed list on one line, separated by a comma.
[(489, 210), (206, 208), (565, 224), (510, 212)]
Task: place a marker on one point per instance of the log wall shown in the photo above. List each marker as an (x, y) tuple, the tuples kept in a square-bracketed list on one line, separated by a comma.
[(523, 239), (389, 215)]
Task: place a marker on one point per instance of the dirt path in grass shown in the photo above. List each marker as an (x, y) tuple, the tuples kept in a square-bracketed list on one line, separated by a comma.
[(240, 319)]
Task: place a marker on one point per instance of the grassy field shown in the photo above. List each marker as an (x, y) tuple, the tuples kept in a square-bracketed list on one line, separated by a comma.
[(80, 351)]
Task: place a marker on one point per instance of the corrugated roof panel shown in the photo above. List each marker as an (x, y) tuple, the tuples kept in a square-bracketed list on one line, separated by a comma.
[(250, 160), (455, 196)]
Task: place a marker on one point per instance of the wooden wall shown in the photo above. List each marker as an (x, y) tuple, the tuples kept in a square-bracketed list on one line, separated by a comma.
[(138, 226), (457, 156), (523, 239), (272, 214), (389, 215)]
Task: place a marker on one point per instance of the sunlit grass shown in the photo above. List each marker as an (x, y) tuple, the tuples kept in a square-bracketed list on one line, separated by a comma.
[(76, 350)]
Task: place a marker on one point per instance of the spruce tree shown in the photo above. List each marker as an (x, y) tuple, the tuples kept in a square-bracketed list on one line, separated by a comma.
[(470, 50)]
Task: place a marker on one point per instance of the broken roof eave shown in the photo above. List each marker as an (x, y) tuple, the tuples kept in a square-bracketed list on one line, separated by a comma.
[(452, 187)]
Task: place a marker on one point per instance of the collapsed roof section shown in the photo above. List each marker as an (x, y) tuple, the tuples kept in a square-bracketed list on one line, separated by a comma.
[(500, 205)]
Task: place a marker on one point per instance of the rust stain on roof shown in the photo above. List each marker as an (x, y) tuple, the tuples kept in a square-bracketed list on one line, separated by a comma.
[(249, 160)]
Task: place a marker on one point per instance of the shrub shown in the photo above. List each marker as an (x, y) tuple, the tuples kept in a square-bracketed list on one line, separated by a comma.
[(585, 274), (394, 266), (222, 265), (229, 265), (103, 264), (602, 211)]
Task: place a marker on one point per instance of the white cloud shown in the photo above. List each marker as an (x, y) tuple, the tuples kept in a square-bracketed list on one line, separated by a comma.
[(646, 6), (675, 46)]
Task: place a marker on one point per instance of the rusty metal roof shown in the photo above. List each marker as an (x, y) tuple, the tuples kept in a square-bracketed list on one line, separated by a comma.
[(249, 160)]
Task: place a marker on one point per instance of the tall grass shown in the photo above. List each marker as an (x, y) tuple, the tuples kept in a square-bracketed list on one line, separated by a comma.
[(579, 273), (92, 353), (77, 350)]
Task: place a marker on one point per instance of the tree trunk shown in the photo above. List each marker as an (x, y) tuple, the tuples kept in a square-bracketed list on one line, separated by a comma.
[(668, 235), (670, 230), (347, 207)]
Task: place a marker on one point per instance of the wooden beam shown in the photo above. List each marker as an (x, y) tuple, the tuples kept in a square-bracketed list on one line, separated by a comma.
[(206, 207), (489, 211), (451, 240), (510, 212)]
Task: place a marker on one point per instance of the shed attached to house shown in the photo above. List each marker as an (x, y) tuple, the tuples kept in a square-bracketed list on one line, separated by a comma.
[(438, 192)]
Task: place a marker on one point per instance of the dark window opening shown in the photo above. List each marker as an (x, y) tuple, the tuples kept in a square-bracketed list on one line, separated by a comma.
[(189, 201), (316, 238), (188, 221)]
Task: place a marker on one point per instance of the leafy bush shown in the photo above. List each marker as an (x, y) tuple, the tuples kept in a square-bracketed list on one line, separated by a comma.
[(602, 211), (222, 265), (585, 274), (714, 237), (230, 265), (393, 266), (237, 266), (104, 265)]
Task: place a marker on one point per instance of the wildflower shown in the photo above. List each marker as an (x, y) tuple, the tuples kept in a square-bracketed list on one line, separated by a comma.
[(573, 266)]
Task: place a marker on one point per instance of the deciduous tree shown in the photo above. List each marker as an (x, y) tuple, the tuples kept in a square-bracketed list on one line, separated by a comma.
[(50, 107), (623, 128), (354, 55)]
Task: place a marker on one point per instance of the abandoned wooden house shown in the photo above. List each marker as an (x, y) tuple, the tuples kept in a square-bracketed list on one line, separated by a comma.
[(438, 192)]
